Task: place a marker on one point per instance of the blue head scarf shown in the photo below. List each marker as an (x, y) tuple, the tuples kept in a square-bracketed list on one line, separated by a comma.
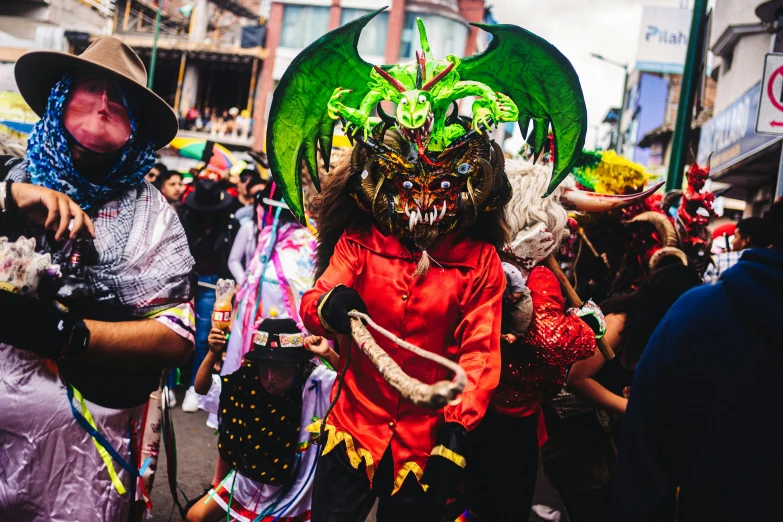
[(50, 164)]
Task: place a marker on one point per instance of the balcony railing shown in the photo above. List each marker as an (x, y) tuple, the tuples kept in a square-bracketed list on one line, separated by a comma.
[(136, 21), (105, 7)]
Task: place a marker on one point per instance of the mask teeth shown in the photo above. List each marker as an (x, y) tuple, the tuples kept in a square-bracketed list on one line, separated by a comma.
[(412, 221), (443, 212), (407, 212)]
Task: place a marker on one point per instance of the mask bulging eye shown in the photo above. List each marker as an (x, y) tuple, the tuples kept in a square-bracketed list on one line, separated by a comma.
[(463, 168), (407, 184), (445, 184), (422, 98), (404, 101)]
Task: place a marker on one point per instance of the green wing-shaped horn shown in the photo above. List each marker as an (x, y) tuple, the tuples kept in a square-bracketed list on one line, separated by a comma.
[(543, 84), (298, 118)]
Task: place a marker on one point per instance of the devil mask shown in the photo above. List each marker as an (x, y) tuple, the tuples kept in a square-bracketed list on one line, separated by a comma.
[(426, 170), (419, 200)]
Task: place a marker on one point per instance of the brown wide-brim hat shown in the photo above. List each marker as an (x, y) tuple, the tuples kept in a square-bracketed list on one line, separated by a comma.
[(38, 71)]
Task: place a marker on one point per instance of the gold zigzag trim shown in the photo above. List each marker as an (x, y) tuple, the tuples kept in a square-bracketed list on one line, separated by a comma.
[(442, 451), (408, 467), (335, 437), (320, 312), (355, 456)]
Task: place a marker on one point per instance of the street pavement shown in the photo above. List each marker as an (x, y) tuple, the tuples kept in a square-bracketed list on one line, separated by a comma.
[(196, 458), (197, 455)]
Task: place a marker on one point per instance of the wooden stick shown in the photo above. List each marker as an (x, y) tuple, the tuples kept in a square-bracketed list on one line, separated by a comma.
[(592, 248), (430, 396), (575, 300)]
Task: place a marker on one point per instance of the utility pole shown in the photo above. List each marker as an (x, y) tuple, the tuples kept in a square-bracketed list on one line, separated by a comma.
[(690, 81), (619, 143), (154, 56), (619, 146)]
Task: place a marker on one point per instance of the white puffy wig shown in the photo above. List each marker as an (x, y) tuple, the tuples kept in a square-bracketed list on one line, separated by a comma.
[(526, 207)]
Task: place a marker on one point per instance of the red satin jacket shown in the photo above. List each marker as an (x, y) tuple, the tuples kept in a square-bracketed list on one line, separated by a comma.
[(454, 311)]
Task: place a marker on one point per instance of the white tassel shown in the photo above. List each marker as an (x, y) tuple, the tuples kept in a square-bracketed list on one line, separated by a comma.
[(423, 266)]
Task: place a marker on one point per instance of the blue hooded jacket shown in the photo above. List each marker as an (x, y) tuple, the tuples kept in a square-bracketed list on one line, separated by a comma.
[(706, 405)]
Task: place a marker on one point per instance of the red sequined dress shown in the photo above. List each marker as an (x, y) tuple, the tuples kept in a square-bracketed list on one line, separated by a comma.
[(534, 368)]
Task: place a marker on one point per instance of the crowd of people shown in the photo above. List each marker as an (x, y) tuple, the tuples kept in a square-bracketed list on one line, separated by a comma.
[(228, 122), (113, 305)]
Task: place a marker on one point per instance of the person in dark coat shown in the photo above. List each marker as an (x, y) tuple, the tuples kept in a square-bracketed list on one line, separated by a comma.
[(704, 408)]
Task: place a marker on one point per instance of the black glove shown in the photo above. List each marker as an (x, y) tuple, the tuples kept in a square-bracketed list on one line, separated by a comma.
[(446, 465), (333, 308), (40, 327)]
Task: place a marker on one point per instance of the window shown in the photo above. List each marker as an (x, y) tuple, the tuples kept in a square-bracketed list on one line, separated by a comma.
[(656, 154), (373, 39), (446, 36), (727, 59), (302, 25)]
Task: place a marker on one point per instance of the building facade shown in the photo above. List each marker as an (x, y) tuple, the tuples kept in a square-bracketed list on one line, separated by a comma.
[(747, 161), (658, 141), (46, 25), (208, 59)]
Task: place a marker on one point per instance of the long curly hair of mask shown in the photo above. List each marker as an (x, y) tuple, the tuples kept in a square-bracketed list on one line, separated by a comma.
[(527, 207), (335, 211)]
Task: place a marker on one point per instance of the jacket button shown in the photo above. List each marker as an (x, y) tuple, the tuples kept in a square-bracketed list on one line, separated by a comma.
[(404, 297), (391, 425)]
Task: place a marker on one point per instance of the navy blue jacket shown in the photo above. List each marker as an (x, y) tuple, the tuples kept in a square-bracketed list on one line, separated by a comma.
[(706, 405)]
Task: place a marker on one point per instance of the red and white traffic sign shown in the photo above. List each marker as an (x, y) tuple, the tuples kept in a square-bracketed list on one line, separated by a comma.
[(770, 116)]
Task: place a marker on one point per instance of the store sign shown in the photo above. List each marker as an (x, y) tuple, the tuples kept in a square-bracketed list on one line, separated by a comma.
[(770, 113), (663, 39), (731, 135)]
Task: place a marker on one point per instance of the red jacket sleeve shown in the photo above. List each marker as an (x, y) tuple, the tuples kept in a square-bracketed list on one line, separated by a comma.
[(342, 270), (478, 336), (561, 339)]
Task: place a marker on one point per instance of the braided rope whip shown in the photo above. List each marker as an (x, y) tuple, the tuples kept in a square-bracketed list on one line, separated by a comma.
[(430, 396)]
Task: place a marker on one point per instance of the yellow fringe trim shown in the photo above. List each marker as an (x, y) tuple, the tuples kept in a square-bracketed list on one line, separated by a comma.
[(355, 456), (320, 314), (442, 451), (408, 467)]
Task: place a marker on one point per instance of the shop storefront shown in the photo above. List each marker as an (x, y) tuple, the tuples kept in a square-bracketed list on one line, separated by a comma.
[(740, 157)]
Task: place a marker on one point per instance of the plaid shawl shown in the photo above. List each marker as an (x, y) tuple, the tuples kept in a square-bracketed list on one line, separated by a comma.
[(143, 261)]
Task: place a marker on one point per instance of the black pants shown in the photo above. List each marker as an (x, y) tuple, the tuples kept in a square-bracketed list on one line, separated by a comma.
[(502, 471), (590, 505), (343, 494)]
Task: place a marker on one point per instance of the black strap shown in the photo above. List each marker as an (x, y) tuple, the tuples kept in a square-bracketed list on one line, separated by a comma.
[(6, 164)]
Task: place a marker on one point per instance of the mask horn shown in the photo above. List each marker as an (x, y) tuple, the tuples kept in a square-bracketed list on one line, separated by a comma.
[(438, 77), (693, 154), (595, 202), (668, 236), (392, 81), (493, 179), (484, 189)]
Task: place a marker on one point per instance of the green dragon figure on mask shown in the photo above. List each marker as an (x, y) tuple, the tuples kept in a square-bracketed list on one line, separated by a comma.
[(426, 168), (423, 92)]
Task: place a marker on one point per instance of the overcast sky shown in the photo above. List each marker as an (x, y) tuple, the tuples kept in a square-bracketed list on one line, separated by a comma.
[(580, 27)]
